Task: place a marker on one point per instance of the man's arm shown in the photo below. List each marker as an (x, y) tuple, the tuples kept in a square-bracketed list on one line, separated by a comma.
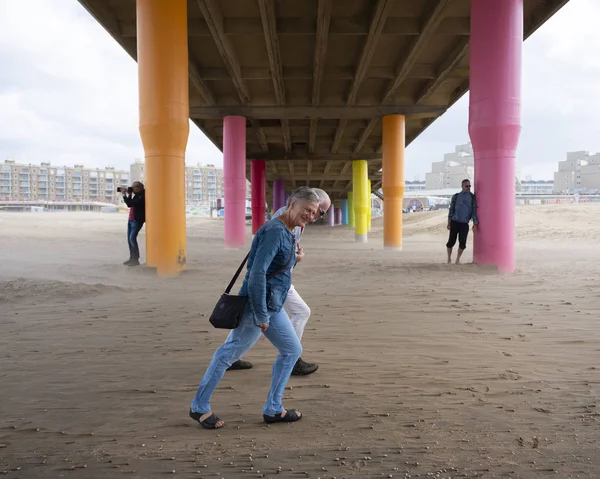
[(128, 200), (452, 207), (135, 200), (474, 210)]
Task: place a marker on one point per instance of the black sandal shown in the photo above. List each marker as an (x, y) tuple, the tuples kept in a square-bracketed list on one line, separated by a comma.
[(209, 423), (290, 416)]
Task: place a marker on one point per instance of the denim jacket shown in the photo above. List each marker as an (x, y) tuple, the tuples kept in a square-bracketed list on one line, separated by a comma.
[(273, 246), (463, 208)]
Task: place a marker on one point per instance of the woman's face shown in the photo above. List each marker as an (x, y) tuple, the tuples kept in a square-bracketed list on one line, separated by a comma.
[(301, 213)]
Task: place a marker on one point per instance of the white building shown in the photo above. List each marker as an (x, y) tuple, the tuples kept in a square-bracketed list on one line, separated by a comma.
[(412, 186), (456, 167), (579, 173), (450, 172), (536, 187)]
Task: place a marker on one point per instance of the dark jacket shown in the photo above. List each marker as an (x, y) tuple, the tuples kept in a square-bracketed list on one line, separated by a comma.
[(138, 203)]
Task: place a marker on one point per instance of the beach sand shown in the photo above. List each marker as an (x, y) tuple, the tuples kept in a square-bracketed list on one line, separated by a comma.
[(426, 369)]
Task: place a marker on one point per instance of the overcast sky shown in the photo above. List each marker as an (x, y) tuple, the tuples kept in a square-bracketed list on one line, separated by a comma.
[(68, 93)]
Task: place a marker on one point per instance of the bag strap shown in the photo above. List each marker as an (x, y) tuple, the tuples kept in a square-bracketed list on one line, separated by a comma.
[(272, 275), (236, 275)]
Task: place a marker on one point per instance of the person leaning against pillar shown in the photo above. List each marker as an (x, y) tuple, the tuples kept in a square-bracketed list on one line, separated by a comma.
[(463, 209)]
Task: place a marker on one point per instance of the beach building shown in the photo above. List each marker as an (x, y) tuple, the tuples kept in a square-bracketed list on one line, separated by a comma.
[(579, 173)]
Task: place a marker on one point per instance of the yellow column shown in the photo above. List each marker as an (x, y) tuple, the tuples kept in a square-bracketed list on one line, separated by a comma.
[(369, 211), (164, 127), (393, 180), (351, 209), (360, 190)]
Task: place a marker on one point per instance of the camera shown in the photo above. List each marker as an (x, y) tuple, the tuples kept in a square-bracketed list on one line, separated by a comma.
[(122, 189)]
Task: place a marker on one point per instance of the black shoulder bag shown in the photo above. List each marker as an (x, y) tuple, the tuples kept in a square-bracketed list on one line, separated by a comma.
[(230, 308)]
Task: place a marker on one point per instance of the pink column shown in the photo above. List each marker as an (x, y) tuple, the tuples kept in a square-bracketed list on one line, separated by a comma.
[(495, 125), (338, 216), (234, 180), (278, 194), (258, 172), (331, 216)]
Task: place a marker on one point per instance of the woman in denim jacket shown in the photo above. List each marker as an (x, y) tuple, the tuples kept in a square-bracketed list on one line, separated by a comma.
[(273, 250)]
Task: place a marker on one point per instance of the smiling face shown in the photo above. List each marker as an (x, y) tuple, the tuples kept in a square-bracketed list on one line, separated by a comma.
[(300, 213)]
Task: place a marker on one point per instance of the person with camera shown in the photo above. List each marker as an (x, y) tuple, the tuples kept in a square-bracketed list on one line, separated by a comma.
[(134, 198)]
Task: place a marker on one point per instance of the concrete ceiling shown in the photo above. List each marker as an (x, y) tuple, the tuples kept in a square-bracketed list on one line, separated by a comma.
[(314, 77)]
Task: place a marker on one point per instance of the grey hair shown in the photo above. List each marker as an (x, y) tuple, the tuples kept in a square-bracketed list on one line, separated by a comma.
[(304, 194), (323, 196)]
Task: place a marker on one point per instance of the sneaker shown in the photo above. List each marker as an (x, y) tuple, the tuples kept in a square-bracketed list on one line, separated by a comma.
[(126, 263), (133, 262), (302, 368), (240, 364)]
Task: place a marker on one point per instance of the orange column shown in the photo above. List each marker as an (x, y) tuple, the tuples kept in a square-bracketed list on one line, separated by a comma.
[(164, 127), (393, 180)]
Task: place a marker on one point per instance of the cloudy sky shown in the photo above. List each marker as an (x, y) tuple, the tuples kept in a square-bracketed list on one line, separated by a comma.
[(68, 93)]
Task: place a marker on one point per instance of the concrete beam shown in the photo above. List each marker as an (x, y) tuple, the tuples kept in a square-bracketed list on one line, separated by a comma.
[(200, 85), (448, 66), (268, 17), (308, 112), (421, 71), (322, 32), (304, 178), (378, 20), (317, 156), (365, 134), (106, 18), (260, 135), (339, 133), (395, 26), (214, 19), (433, 21)]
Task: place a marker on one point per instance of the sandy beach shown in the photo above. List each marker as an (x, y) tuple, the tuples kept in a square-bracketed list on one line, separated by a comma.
[(426, 369)]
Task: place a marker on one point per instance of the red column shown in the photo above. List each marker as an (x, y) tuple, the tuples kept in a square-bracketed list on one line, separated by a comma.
[(234, 180), (258, 176), (495, 125)]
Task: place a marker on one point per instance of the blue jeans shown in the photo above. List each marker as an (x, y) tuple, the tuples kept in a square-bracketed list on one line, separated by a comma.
[(281, 334), (133, 228)]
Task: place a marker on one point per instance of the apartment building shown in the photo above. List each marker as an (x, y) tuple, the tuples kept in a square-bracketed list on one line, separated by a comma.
[(46, 182), (60, 183), (579, 173), (414, 186), (203, 184), (450, 172), (456, 167), (536, 187)]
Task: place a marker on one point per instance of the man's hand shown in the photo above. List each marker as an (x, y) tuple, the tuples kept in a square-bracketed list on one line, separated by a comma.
[(299, 254), (475, 228), (263, 327), (448, 226)]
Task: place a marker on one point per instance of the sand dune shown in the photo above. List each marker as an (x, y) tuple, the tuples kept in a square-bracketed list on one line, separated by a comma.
[(426, 370)]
